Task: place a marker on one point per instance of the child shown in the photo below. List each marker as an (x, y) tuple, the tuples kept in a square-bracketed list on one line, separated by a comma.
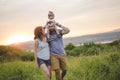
[(51, 21)]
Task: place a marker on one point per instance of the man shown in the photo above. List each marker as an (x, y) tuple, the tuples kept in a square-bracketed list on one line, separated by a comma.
[(57, 52)]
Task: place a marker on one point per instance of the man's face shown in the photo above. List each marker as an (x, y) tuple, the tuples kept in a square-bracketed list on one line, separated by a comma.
[(52, 28)]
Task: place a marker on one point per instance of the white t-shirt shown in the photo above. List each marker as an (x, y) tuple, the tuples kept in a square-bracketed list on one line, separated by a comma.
[(43, 49)]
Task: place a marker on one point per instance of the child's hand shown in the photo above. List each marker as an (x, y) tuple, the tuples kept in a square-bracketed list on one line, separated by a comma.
[(57, 24)]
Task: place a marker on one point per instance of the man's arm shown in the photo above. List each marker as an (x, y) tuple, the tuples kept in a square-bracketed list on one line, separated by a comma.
[(65, 30)]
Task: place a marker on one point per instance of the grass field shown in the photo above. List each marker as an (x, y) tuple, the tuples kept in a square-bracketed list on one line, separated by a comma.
[(102, 67), (88, 62)]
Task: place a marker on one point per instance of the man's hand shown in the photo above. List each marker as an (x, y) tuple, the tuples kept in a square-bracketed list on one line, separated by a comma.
[(65, 30)]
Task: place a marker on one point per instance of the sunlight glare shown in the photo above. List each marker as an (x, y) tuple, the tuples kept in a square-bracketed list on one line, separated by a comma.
[(17, 39)]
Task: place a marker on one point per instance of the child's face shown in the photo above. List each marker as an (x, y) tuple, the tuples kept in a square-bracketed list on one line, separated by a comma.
[(51, 17)]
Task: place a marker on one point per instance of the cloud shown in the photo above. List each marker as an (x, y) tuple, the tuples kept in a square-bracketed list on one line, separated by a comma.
[(81, 14)]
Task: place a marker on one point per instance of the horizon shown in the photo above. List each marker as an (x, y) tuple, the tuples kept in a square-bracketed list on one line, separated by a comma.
[(108, 41), (63, 37), (19, 18)]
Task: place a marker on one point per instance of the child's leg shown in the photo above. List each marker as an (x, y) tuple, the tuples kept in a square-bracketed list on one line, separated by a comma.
[(48, 33), (58, 34), (56, 30)]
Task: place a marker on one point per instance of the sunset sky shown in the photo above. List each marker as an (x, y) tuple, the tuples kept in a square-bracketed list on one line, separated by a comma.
[(18, 18)]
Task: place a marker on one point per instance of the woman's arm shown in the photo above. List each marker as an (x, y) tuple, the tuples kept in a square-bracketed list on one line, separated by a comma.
[(35, 52)]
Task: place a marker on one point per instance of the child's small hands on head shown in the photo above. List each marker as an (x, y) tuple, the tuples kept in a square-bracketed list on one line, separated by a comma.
[(57, 24)]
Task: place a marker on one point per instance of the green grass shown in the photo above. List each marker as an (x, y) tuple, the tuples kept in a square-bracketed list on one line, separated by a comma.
[(100, 67), (20, 71), (88, 62)]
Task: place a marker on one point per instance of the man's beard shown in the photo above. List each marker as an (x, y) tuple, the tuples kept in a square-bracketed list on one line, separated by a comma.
[(52, 31)]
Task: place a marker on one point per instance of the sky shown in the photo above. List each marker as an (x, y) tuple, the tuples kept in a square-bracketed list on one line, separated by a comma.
[(18, 18)]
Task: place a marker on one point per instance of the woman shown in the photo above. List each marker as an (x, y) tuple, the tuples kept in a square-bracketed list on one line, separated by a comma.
[(42, 54)]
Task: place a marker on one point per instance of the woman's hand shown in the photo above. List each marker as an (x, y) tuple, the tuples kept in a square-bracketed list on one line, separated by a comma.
[(37, 65)]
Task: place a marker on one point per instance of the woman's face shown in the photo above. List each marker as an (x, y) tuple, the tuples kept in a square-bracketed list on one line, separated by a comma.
[(43, 30)]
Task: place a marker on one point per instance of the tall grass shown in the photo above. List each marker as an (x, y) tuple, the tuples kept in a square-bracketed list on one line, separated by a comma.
[(88, 62), (102, 67), (20, 71)]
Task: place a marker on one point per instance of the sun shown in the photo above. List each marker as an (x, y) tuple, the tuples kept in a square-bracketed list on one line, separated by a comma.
[(17, 39)]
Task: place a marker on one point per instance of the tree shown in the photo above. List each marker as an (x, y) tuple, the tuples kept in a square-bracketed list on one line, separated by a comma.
[(69, 46), (3, 50)]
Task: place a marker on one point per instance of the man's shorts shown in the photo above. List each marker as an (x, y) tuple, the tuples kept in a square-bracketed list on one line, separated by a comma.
[(58, 62), (42, 61)]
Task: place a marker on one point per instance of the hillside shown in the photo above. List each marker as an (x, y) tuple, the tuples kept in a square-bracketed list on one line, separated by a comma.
[(97, 38)]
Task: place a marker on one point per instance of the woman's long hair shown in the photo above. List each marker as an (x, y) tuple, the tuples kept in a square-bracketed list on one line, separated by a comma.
[(39, 33)]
